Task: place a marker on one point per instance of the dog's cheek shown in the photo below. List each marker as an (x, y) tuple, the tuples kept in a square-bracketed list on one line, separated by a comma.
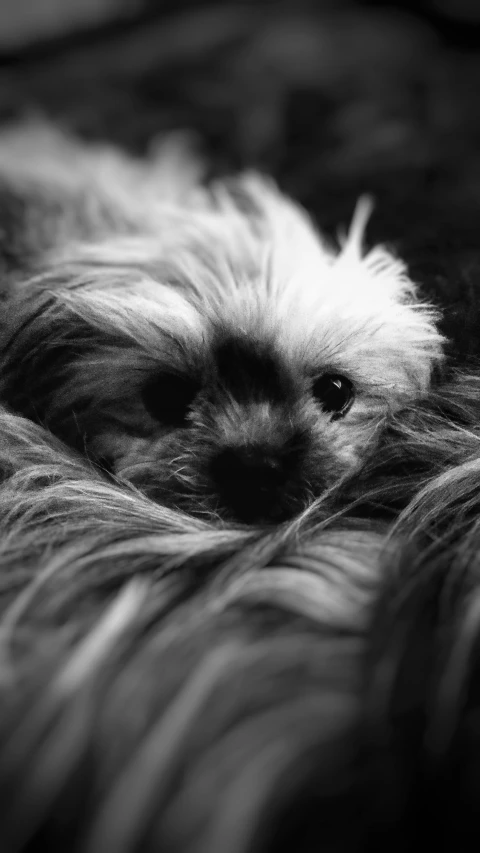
[(149, 464), (338, 450), (110, 448)]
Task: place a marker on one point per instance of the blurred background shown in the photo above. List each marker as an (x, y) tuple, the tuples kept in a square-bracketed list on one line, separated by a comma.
[(333, 97)]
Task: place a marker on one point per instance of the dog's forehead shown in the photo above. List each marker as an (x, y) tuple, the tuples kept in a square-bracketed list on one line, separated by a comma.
[(248, 367)]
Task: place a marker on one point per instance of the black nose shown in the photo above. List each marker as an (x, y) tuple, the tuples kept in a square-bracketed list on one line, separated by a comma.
[(249, 481), (248, 466)]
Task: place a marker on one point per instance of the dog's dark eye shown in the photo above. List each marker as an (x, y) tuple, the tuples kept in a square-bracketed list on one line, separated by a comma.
[(167, 398), (335, 393)]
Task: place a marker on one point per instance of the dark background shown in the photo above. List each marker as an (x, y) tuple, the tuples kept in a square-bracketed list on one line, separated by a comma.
[(333, 97)]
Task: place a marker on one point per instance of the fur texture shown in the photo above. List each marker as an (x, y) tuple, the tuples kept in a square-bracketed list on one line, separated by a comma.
[(191, 338), (170, 684)]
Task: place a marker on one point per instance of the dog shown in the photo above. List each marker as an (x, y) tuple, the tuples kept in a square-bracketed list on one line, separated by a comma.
[(171, 684), (198, 340)]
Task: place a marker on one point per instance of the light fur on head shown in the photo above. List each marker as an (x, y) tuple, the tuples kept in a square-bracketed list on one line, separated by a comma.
[(134, 271)]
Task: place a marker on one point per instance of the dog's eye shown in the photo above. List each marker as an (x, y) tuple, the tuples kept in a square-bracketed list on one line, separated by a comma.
[(167, 398), (335, 394)]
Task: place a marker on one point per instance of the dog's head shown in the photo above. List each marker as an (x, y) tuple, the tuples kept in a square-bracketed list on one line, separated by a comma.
[(222, 357)]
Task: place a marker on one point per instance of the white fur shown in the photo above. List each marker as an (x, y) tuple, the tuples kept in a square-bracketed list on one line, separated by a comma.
[(167, 264)]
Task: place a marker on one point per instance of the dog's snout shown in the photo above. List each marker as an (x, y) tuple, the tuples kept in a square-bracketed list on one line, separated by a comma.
[(250, 467), (251, 482)]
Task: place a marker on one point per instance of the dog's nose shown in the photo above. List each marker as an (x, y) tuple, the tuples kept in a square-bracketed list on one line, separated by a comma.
[(251, 466), (249, 481)]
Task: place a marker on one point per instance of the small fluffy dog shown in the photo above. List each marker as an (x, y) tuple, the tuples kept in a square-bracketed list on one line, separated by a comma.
[(201, 341)]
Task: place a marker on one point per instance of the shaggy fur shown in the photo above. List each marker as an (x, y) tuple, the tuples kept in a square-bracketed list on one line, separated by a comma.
[(180, 682), (169, 684), (197, 340), (173, 656)]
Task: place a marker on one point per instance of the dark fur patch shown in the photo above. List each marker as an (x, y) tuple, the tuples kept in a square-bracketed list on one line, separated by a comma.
[(250, 370)]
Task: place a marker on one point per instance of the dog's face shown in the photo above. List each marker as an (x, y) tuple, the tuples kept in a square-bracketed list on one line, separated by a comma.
[(222, 358)]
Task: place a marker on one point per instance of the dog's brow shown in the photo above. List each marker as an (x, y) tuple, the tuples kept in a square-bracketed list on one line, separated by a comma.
[(249, 369)]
